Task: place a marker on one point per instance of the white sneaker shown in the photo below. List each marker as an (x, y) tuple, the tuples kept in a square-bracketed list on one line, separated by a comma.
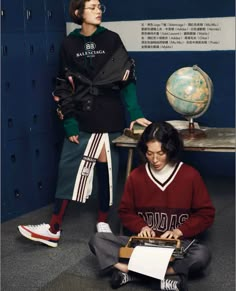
[(40, 233), (103, 227)]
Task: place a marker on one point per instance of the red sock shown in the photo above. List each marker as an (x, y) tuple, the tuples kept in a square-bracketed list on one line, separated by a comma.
[(102, 216), (55, 223), (56, 220)]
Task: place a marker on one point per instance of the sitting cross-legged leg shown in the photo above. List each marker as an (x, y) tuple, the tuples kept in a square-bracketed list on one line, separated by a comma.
[(106, 248)]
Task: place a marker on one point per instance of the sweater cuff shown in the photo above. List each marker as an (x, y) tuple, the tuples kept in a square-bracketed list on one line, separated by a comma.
[(71, 127)]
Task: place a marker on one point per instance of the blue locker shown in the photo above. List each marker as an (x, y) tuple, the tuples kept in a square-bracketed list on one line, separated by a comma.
[(34, 16), (35, 49), (14, 101), (3, 181), (12, 16), (18, 197), (44, 190), (55, 17), (39, 96), (31, 38), (40, 121), (38, 86), (12, 51), (43, 168), (53, 40)]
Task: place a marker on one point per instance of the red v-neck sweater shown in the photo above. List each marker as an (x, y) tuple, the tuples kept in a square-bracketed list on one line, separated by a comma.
[(182, 201)]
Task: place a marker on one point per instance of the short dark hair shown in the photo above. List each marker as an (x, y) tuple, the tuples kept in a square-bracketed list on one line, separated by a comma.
[(77, 5), (167, 135)]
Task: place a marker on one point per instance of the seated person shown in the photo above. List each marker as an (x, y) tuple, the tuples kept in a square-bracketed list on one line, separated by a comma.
[(165, 198)]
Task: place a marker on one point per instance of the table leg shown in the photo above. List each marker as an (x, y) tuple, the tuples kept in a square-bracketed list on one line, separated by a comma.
[(129, 162), (128, 170)]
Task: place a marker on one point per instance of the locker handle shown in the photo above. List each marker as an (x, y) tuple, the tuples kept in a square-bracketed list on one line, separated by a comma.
[(35, 118), (17, 193), (2, 12), (31, 50), (40, 185), (4, 50), (10, 123), (49, 14), (52, 48), (13, 158), (28, 14), (7, 85)]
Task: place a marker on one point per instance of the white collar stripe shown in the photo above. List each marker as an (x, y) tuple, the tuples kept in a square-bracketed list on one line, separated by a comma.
[(167, 182)]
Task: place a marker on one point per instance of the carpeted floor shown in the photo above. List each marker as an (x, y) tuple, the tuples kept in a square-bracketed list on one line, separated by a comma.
[(29, 266)]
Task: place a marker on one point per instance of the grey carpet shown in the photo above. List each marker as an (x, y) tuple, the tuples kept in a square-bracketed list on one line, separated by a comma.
[(29, 266)]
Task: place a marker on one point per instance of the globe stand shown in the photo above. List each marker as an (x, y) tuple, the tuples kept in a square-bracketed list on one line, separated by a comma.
[(192, 132)]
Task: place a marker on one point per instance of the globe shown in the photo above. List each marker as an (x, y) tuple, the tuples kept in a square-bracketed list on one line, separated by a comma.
[(189, 91)]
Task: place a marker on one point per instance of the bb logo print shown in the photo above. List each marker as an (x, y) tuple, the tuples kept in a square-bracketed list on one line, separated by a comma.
[(89, 51), (89, 46)]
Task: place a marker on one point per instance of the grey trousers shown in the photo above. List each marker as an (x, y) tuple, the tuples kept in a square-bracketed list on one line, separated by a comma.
[(106, 248)]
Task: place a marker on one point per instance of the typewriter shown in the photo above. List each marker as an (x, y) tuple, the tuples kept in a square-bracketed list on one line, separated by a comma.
[(125, 252)]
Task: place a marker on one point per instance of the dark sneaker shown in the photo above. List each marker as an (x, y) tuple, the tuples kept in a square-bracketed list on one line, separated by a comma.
[(171, 282), (120, 278)]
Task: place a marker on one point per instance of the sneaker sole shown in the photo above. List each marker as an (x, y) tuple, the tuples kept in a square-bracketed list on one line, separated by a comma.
[(27, 234)]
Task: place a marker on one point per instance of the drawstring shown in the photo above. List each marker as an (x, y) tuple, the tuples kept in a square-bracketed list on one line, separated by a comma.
[(85, 57), (90, 59), (90, 65)]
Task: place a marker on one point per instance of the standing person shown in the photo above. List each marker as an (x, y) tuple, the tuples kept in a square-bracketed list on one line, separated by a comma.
[(165, 198), (96, 82)]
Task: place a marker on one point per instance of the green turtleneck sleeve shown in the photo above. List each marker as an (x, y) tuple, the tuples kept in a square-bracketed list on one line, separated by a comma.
[(131, 102), (71, 126)]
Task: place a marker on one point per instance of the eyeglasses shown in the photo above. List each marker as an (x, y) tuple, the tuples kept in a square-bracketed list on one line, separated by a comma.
[(100, 7)]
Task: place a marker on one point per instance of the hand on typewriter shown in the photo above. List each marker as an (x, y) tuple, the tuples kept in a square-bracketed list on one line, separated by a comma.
[(175, 233), (147, 232)]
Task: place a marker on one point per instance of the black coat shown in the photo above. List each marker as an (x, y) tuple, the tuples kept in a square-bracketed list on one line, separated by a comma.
[(109, 78)]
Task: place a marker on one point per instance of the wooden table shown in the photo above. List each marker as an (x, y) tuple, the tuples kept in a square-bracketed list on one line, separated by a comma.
[(216, 140)]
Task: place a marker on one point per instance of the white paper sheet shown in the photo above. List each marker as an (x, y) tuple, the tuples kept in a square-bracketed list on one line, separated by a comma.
[(150, 261)]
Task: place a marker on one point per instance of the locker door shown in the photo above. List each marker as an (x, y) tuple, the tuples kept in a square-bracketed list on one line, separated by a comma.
[(35, 53), (35, 49), (55, 15), (43, 168), (12, 16), (14, 108), (18, 197), (39, 100), (53, 43), (12, 51), (14, 93), (3, 182), (34, 15)]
